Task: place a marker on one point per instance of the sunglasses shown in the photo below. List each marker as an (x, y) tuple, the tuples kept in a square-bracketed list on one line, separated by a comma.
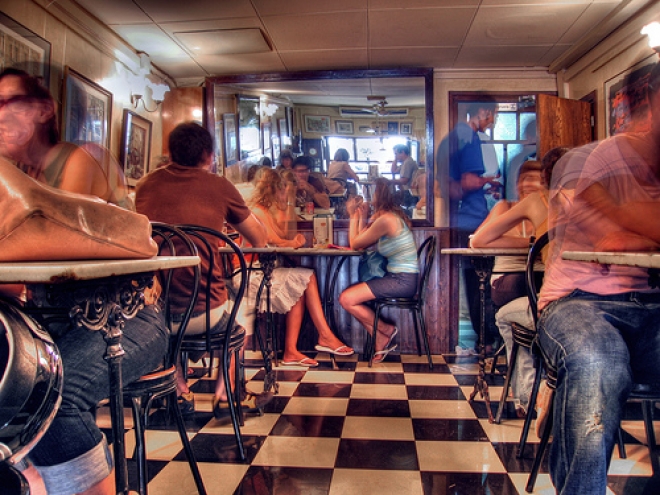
[(16, 103)]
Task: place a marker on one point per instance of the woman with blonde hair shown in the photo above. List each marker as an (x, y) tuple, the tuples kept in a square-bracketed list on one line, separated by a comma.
[(389, 230), (293, 289)]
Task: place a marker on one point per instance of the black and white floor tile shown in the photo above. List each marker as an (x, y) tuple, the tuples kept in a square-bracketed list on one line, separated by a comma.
[(396, 428)]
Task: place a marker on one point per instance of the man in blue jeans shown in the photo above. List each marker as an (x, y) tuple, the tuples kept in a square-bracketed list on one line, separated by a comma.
[(600, 325)]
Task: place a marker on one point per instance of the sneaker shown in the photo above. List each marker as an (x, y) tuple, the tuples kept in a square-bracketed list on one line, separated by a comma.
[(186, 403)]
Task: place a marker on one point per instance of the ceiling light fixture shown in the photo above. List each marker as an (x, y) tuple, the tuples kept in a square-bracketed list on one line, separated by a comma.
[(652, 30)]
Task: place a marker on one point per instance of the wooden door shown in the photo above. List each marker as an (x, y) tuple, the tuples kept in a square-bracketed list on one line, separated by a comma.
[(561, 122)]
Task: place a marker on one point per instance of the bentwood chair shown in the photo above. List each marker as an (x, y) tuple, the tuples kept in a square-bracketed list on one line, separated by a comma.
[(415, 304), (161, 383), (231, 340)]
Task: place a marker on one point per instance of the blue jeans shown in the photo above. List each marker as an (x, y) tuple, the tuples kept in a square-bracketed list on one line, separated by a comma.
[(73, 431), (600, 345)]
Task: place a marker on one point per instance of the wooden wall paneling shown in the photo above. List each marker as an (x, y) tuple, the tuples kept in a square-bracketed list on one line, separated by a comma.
[(177, 107)]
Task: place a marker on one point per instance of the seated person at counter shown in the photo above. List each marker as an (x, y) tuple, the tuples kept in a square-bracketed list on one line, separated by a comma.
[(286, 160), (73, 455), (293, 289), (310, 187), (288, 218), (266, 162), (339, 171), (508, 278), (599, 325), (389, 229), (210, 201), (504, 230), (406, 171), (418, 190), (247, 188)]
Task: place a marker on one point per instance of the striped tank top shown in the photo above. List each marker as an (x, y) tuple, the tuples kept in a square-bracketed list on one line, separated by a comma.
[(400, 251)]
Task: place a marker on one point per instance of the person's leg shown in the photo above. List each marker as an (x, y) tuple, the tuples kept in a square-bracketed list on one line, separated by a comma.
[(517, 311), (353, 299), (584, 336), (72, 456), (36, 484), (104, 487), (294, 320), (312, 301)]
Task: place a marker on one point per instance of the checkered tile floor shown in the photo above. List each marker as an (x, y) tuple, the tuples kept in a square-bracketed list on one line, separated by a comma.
[(396, 428)]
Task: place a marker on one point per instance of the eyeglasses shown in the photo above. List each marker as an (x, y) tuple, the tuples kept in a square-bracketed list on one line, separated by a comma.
[(17, 103)]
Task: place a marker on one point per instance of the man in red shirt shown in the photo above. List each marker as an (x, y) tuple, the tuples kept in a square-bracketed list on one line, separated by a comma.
[(185, 191)]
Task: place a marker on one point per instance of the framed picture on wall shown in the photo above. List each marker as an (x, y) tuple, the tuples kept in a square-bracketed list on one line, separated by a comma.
[(626, 104), (392, 128), (319, 124), (344, 126), (230, 141), (135, 146), (406, 128), (86, 110), (23, 49)]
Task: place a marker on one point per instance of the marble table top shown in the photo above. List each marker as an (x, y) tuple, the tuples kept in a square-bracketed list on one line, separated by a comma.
[(486, 251), (36, 272), (641, 260), (309, 251)]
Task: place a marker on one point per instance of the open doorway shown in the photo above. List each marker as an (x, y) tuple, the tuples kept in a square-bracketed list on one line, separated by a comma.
[(492, 136)]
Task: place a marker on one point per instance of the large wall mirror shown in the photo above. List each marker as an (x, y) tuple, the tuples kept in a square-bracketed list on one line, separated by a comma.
[(366, 112)]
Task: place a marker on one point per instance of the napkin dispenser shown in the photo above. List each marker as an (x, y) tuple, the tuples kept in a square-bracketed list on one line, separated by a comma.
[(323, 230), (373, 172)]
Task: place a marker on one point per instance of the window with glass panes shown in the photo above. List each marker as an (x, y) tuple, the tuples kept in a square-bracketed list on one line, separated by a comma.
[(510, 142), (365, 151)]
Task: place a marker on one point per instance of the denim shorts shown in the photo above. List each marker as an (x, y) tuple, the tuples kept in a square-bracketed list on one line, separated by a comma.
[(394, 285)]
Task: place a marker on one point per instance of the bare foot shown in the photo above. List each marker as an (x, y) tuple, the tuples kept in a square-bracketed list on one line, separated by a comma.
[(334, 344), (383, 339), (298, 357)]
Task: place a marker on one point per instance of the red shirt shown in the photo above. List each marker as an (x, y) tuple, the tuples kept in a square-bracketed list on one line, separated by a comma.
[(177, 195)]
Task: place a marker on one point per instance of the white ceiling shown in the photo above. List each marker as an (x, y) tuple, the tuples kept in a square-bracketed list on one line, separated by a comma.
[(346, 34), (193, 39)]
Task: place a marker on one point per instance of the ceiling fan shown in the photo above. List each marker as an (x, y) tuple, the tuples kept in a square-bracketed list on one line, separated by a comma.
[(379, 109)]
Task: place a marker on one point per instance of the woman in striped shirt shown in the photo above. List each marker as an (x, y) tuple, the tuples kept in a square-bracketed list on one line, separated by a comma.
[(389, 230)]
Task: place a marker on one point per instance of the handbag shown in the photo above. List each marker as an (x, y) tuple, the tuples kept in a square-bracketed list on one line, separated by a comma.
[(41, 223), (372, 264)]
